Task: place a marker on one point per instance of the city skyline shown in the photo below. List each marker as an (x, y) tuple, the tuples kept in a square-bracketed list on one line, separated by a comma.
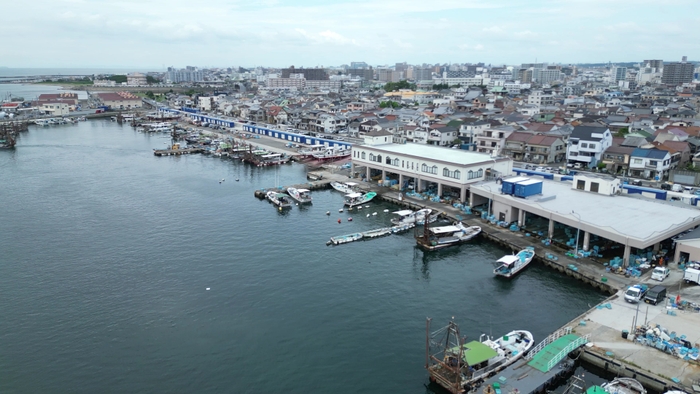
[(310, 33)]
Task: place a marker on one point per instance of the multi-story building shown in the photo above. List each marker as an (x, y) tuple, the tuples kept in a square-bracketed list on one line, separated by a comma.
[(276, 83), (388, 75), (136, 79), (190, 74), (587, 144), (120, 100), (316, 74), (657, 64), (677, 73), (543, 76), (423, 74), (649, 163), (366, 74), (359, 65), (492, 140), (618, 74)]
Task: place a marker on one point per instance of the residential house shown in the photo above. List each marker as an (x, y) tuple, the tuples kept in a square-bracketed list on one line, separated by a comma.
[(443, 136), (649, 163), (679, 150), (545, 149), (493, 140), (617, 156), (587, 144)]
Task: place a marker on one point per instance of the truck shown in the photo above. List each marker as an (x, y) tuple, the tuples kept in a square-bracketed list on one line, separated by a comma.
[(636, 293), (692, 275), (660, 273)]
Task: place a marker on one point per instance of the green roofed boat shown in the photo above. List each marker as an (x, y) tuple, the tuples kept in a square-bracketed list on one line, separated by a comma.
[(457, 365)]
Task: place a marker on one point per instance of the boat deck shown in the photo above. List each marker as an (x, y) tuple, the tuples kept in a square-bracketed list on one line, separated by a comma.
[(545, 367)]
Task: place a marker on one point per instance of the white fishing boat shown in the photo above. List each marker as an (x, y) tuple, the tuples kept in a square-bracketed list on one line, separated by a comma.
[(355, 199), (624, 386), (344, 187), (509, 265), (406, 216), (457, 364), (42, 122), (279, 199), (380, 232), (300, 195), (439, 237)]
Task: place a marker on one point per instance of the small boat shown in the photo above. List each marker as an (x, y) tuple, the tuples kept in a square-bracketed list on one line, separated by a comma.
[(354, 199), (509, 265), (455, 364), (416, 217), (300, 195), (343, 239), (434, 238), (279, 199), (344, 187), (402, 227), (624, 386)]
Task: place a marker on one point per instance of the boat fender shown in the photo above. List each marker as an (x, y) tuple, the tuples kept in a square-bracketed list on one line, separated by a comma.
[(339, 221)]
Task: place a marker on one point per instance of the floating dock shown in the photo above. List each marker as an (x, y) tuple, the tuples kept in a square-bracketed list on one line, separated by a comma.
[(544, 367), (176, 152)]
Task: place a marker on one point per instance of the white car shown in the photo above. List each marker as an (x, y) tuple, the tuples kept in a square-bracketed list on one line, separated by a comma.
[(660, 273)]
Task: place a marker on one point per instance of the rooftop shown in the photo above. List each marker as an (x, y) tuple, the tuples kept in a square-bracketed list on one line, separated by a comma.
[(619, 218), (456, 156)]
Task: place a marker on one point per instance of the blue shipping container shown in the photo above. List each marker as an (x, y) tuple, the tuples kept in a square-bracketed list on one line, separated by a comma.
[(528, 188), (508, 185)]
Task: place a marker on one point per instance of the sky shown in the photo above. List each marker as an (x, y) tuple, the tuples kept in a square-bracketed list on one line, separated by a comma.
[(154, 34)]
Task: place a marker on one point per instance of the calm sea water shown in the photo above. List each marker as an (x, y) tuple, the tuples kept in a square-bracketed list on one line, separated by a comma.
[(31, 92), (107, 252)]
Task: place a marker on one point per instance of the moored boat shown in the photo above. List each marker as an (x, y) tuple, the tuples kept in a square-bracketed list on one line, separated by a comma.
[(459, 366), (509, 265), (300, 195), (355, 199), (279, 199), (624, 386), (407, 216), (380, 232), (439, 237), (344, 187)]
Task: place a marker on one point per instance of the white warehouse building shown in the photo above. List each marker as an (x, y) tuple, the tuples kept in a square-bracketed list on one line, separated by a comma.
[(423, 164)]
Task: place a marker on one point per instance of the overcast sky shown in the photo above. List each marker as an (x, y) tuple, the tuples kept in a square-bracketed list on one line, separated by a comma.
[(279, 33)]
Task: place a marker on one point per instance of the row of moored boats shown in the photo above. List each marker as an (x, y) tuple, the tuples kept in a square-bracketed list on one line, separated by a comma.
[(58, 121)]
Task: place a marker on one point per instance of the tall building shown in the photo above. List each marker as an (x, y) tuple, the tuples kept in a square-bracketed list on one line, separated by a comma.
[(677, 73), (460, 74), (313, 74), (618, 74), (189, 74), (358, 65), (657, 63), (546, 75), (401, 67), (423, 74), (365, 74), (388, 75)]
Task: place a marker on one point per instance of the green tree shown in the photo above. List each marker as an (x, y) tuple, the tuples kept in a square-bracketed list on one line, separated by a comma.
[(393, 86), (117, 78), (150, 79), (150, 95), (622, 132), (389, 104)]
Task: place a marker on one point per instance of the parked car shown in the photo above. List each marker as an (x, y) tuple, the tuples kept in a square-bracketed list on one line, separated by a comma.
[(655, 295), (660, 273)]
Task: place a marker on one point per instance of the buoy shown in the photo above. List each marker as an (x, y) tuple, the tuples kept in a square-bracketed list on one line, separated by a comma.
[(386, 210), (374, 214), (236, 179), (208, 288), (222, 179), (328, 212), (350, 209), (349, 219), (366, 206), (339, 221), (280, 208), (359, 207), (367, 215), (340, 210)]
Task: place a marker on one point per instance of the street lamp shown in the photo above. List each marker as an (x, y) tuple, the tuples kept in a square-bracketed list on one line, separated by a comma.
[(578, 229)]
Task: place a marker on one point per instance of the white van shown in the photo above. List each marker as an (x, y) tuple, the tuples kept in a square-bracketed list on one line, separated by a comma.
[(660, 273)]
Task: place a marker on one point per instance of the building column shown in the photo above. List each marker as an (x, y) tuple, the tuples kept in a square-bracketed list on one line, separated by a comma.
[(657, 247), (383, 176), (550, 231), (439, 190), (586, 240), (417, 182), (352, 169), (367, 171), (521, 217), (463, 195), (626, 256), (400, 181)]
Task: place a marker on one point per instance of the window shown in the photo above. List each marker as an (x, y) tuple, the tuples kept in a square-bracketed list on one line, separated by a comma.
[(371, 157), (401, 163), (379, 158), (653, 162), (457, 174), (581, 185), (584, 145), (445, 172), (433, 170), (591, 146), (594, 187), (637, 161), (424, 168), (363, 155), (388, 160), (480, 173), (396, 162), (470, 174)]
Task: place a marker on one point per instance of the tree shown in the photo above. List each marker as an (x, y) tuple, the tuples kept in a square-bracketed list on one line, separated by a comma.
[(393, 86), (117, 78), (389, 104), (150, 95), (622, 132), (150, 79)]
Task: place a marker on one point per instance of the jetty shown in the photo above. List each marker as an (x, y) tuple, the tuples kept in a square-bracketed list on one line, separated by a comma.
[(177, 152)]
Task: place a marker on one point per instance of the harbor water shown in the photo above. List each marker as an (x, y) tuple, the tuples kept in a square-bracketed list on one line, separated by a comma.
[(124, 272)]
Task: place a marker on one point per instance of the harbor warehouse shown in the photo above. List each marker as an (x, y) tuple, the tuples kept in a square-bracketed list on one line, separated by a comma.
[(425, 166), (590, 208)]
